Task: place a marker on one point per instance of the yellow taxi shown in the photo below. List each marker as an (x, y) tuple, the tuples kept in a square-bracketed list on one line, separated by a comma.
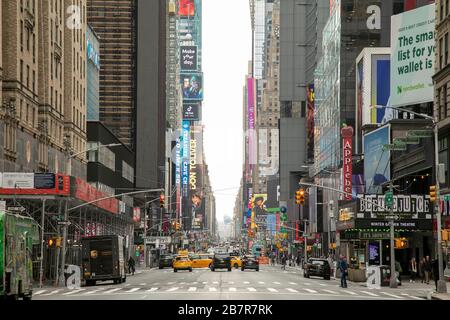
[(201, 260), (182, 263), (236, 262)]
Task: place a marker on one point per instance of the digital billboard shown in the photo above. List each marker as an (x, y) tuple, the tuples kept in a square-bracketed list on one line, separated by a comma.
[(310, 121), (376, 160), (192, 86), (413, 55), (196, 204), (260, 210), (191, 111), (189, 58), (186, 8)]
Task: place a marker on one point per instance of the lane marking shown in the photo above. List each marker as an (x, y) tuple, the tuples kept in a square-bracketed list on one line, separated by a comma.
[(215, 282), (39, 292), (172, 289), (205, 282), (292, 290), (307, 283), (310, 290), (293, 283), (272, 290), (232, 289), (322, 284), (231, 282), (251, 289), (142, 284), (392, 295), (194, 282), (246, 282), (112, 290), (275, 282), (152, 289), (261, 282), (133, 290), (350, 292), (169, 283), (50, 293), (156, 283), (330, 291), (370, 293), (212, 289), (73, 292), (192, 289)]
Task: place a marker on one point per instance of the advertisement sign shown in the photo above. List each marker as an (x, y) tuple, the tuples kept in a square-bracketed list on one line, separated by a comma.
[(377, 167), (251, 122), (192, 86), (413, 55), (187, 8), (191, 112), (411, 205), (189, 58), (185, 157), (197, 203), (310, 121), (18, 180), (84, 191), (418, 224), (260, 210), (44, 181), (347, 140)]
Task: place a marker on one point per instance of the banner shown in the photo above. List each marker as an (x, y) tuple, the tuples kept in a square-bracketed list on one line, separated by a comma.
[(310, 121), (196, 205), (189, 58), (377, 166), (191, 111), (185, 160), (413, 55), (347, 140), (192, 86)]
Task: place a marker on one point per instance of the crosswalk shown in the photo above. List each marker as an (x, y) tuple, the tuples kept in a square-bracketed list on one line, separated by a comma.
[(288, 288)]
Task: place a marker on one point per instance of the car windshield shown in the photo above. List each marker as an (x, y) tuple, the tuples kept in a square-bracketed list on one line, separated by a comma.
[(183, 259), (318, 262), (222, 256)]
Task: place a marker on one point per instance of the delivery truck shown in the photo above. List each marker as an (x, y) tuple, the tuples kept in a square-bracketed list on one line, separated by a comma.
[(103, 259), (18, 234)]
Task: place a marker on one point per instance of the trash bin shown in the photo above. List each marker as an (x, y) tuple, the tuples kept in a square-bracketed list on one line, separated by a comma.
[(385, 273)]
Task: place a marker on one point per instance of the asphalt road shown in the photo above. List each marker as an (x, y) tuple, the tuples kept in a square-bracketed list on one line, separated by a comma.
[(270, 283)]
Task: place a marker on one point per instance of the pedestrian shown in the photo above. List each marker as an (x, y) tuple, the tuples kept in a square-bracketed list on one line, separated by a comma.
[(428, 268), (343, 267), (330, 262), (131, 264), (422, 270), (413, 269), (398, 271), (298, 260), (283, 261)]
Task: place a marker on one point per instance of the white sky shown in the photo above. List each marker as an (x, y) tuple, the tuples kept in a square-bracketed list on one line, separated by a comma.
[(226, 52)]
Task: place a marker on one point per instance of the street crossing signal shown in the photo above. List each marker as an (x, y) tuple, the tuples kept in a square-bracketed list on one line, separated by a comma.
[(432, 193), (300, 197), (162, 200)]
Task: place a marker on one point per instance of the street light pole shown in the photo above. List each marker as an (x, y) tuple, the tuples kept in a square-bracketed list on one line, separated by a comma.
[(393, 280)]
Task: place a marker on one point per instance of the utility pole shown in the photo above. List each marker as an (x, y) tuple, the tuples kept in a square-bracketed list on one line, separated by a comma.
[(145, 230), (41, 267), (306, 242), (393, 280), (63, 250)]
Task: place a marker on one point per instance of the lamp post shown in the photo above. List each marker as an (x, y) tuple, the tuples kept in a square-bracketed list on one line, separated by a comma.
[(441, 287)]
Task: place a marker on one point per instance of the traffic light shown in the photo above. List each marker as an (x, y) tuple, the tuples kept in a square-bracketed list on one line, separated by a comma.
[(432, 193), (300, 197), (51, 242), (162, 201)]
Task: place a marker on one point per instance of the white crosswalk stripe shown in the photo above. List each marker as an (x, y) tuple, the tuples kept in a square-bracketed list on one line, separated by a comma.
[(275, 282), (246, 282), (251, 289), (194, 282), (192, 289), (292, 290), (215, 282), (50, 293), (310, 290), (39, 292), (261, 282), (212, 289), (152, 289), (231, 282), (232, 289), (392, 295), (330, 291), (322, 284), (173, 289), (293, 283), (143, 284), (272, 290), (370, 293), (170, 283), (133, 290), (349, 292), (73, 292), (307, 283), (112, 290)]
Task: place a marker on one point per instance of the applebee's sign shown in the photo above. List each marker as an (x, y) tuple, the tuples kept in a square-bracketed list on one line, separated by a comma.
[(347, 139)]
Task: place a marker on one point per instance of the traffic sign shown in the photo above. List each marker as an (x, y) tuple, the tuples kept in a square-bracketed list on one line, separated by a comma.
[(389, 199), (395, 147), (421, 133), (408, 140), (64, 223)]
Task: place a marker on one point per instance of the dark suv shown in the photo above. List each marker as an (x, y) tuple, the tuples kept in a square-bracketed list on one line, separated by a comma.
[(250, 262), (221, 261), (317, 267), (165, 261)]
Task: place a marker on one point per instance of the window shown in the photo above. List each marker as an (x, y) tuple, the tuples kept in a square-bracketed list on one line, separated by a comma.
[(443, 156), (127, 171), (444, 101)]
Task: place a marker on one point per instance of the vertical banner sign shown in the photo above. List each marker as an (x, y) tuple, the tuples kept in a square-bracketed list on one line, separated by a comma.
[(310, 121), (185, 163), (347, 140), (413, 54), (251, 120), (178, 176)]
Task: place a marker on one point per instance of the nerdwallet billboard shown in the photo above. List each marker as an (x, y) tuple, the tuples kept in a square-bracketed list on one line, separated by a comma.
[(413, 54)]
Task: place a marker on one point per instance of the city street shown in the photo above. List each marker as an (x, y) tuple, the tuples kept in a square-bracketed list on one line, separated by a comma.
[(270, 283)]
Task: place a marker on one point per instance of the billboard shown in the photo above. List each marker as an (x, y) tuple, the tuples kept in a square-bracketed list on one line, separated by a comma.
[(192, 86), (189, 58), (196, 204), (191, 111), (186, 8), (18, 180), (413, 54), (185, 158), (260, 210), (310, 121), (347, 152), (376, 160), (373, 70)]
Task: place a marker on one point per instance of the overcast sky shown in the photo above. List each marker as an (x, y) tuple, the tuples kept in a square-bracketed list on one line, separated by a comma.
[(226, 52)]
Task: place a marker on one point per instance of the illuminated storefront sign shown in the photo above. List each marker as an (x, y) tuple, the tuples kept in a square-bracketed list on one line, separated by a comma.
[(347, 137)]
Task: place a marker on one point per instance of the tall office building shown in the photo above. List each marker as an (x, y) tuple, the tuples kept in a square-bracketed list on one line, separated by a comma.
[(115, 24)]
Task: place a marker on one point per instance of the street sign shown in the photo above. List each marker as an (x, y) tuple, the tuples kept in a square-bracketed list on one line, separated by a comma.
[(408, 140), (420, 133), (395, 147), (64, 223), (389, 199), (16, 209), (3, 206), (447, 197)]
